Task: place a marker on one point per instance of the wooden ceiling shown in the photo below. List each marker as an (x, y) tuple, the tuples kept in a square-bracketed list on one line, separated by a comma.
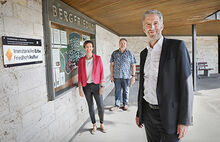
[(124, 17)]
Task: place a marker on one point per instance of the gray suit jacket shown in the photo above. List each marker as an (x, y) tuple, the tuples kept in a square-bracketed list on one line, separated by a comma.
[(174, 86)]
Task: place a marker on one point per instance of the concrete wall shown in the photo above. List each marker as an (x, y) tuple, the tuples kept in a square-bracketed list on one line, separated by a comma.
[(207, 48), (25, 112)]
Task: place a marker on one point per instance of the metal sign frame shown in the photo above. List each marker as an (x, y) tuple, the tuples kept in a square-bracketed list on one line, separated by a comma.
[(60, 13)]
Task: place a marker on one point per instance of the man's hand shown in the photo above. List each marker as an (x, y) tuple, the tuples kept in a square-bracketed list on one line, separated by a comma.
[(112, 78), (112, 71), (132, 80), (182, 130), (137, 122)]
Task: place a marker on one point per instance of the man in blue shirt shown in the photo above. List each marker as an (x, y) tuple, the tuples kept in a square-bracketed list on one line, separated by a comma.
[(122, 68)]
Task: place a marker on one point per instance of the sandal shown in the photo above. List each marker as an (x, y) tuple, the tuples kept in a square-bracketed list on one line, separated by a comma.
[(93, 131), (102, 129), (115, 108)]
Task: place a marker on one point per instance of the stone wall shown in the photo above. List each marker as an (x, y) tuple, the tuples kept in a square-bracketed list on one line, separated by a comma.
[(106, 43), (207, 48), (136, 45), (23, 92), (25, 112)]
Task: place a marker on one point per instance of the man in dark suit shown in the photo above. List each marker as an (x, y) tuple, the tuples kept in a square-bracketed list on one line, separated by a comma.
[(165, 94)]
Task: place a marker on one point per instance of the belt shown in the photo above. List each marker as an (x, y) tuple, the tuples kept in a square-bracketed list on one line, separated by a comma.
[(153, 106)]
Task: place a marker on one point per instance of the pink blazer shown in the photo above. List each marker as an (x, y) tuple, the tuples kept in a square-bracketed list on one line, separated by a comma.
[(97, 71)]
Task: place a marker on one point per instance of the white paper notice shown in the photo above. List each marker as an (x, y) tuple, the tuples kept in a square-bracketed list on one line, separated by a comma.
[(57, 74), (54, 78), (63, 37), (56, 36), (62, 78), (56, 58)]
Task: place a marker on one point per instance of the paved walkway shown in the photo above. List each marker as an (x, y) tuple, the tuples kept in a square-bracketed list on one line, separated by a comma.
[(206, 112), (121, 125)]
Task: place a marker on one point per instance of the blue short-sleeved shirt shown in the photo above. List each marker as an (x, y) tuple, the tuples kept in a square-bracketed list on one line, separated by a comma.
[(122, 63)]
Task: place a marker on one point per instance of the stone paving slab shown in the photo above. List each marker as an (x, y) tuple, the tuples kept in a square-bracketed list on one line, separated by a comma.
[(121, 125)]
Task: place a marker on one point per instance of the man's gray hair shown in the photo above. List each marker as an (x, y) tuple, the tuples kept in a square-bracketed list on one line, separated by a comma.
[(153, 11), (123, 39)]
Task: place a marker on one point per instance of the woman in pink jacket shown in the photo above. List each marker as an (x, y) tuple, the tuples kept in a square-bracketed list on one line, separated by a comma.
[(90, 82)]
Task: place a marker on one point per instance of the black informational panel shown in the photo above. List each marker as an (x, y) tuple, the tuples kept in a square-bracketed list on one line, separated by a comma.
[(19, 51)]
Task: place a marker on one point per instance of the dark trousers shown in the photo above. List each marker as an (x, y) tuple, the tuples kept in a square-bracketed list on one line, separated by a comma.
[(153, 127), (92, 90)]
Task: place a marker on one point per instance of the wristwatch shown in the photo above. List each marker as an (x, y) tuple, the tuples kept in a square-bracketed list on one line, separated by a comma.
[(133, 75), (102, 86)]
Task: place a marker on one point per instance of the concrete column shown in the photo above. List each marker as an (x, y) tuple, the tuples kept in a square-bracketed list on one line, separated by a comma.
[(194, 70), (218, 53)]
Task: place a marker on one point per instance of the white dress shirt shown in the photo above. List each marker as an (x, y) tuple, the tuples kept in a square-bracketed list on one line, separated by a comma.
[(89, 66), (151, 68)]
